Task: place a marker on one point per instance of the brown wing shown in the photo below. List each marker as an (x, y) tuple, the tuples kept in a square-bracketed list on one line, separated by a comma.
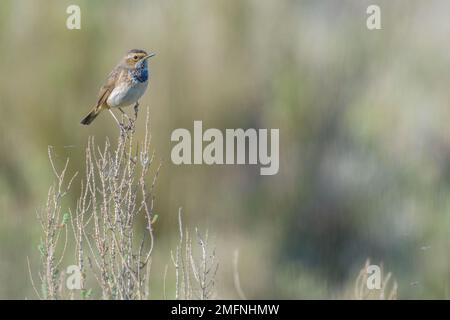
[(107, 88)]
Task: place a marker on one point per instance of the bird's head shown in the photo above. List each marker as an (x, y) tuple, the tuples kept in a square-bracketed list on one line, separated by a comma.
[(136, 58)]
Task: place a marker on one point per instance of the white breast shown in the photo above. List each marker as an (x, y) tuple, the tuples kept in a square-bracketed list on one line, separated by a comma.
[(125, 95)]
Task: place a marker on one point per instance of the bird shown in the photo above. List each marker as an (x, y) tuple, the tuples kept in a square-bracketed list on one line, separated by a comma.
[(124, 86)]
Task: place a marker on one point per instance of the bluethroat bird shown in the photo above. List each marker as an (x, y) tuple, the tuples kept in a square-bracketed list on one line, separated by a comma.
[(124, 86)]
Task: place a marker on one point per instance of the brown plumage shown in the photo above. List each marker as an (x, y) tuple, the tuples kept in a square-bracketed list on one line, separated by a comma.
[(120, 79), (103, 95)]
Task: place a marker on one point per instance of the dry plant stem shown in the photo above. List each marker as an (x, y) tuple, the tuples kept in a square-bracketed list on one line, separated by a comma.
[(52, 224), (362, 292), (237, 281), (117, 191), (36, 291), (164, 282), (108, 248), (204, 269), (123, 265)]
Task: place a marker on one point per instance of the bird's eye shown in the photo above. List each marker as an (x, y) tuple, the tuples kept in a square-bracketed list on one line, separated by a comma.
[(135, 57)]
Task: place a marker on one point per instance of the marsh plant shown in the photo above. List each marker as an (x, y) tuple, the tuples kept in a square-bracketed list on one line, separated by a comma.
[(110, 233), (387, 289), (103, 247)]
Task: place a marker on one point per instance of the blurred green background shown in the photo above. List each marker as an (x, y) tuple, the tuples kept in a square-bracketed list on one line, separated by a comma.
[(363, 118)]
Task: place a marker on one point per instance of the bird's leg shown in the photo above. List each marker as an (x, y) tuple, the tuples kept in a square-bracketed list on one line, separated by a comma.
[(118, 123), (130, 122), (124, 113), (136, 110)]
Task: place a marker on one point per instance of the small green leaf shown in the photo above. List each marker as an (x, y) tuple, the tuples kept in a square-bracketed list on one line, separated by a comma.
[(44, 290), (41, 249), (65, 218), (86, 293)]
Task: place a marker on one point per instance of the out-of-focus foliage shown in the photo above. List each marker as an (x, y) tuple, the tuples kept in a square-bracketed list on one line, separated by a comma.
[(363, 118)]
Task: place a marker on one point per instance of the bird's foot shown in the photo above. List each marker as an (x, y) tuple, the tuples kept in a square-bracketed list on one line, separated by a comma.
[(129, 125), (136, 110)]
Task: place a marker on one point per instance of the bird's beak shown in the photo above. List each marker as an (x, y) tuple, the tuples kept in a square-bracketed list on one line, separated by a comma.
[(149, 55)]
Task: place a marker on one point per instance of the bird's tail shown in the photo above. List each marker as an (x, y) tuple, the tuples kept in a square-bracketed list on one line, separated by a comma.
[(91, 116)]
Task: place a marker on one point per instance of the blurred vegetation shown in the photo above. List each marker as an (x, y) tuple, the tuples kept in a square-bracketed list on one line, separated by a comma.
[(363, 118)]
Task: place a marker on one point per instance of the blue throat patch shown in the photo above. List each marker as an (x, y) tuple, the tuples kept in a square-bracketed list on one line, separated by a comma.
[(140, 73)]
